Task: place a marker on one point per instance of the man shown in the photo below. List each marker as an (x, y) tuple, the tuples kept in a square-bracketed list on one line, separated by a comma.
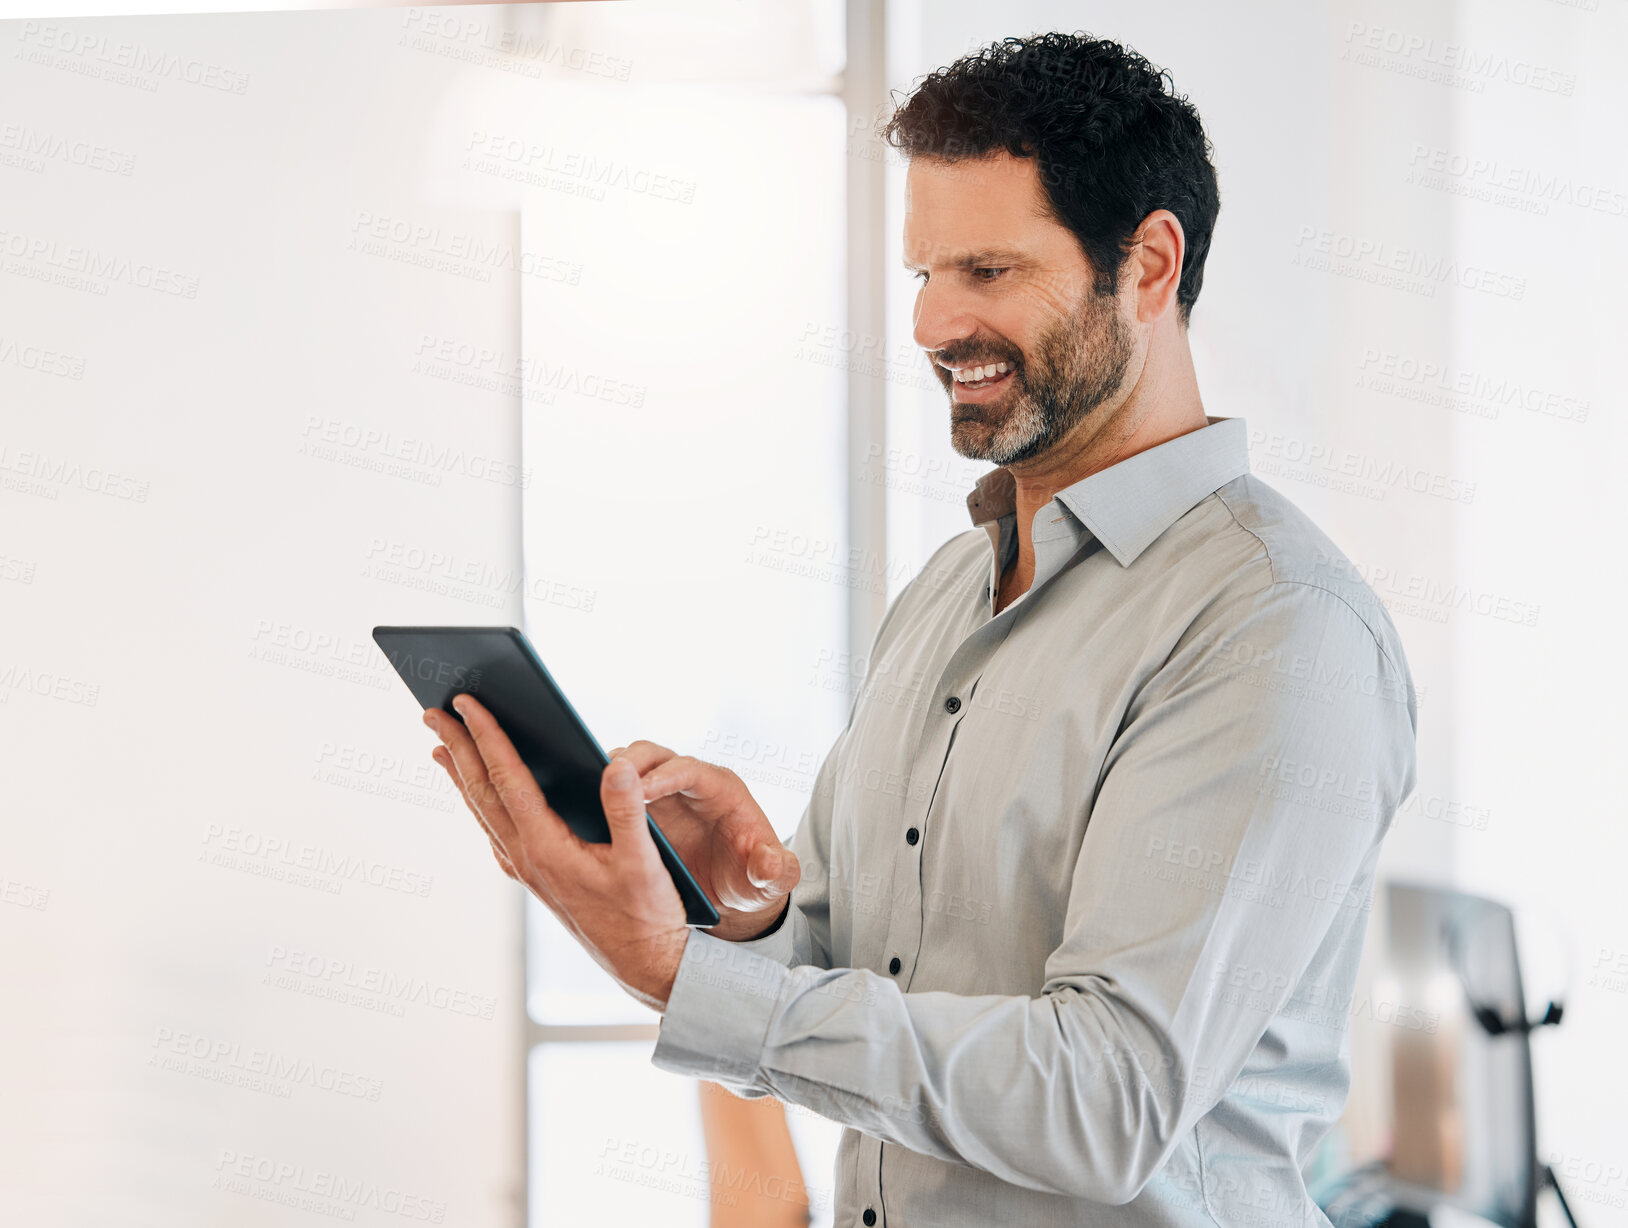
[(1068, 931)]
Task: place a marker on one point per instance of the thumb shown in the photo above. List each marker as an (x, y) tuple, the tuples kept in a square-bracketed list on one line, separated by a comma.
[(773, 869), (622, 795)]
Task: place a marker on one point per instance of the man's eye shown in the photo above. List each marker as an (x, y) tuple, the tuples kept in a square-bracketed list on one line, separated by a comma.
[(979, 273), (919, 274)]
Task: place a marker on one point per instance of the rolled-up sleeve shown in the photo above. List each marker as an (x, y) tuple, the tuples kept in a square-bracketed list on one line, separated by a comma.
[(1238, 812)]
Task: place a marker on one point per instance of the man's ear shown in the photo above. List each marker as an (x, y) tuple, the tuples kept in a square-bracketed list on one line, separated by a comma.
[(1155, 265)]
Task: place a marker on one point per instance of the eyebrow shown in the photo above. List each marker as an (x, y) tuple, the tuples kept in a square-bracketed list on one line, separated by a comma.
[(984, 258)]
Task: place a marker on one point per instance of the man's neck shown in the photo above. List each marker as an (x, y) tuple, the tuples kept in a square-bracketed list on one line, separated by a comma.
[(1130, 429)]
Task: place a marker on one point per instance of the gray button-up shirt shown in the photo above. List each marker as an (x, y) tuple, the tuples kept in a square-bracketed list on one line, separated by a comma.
[(1085, 882)]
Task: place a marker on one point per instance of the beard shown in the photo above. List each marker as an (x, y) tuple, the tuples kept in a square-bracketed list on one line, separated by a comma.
[(1077, 365)]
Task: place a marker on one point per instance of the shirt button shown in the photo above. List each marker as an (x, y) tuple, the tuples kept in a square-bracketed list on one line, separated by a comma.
[(893, 965), (952, 704), (869, 1217), (911, 836)]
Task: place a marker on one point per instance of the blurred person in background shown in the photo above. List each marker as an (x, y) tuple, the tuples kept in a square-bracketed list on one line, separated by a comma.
[(752, 1170)]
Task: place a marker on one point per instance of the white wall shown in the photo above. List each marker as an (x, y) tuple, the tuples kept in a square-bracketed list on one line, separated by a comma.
[(216, 602), (1538, 178)]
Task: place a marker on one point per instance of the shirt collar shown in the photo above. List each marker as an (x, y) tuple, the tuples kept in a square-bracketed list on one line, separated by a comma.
[(1129, 504)]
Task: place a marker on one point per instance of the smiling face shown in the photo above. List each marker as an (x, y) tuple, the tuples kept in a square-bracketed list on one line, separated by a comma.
[(1002, 282)]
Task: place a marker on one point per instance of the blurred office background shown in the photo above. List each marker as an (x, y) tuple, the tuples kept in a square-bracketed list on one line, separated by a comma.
[(589, 318)]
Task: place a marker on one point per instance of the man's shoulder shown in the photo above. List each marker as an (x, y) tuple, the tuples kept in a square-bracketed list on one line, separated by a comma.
[(1245, 541), (1294, 557)]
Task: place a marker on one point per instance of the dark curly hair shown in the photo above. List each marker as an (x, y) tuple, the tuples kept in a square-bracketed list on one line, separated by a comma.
[(1113, 140)]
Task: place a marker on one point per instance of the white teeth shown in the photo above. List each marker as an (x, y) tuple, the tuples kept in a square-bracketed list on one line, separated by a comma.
[(972, 375)]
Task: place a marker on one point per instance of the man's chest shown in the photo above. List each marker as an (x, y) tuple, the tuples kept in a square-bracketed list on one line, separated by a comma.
[(962, 794)]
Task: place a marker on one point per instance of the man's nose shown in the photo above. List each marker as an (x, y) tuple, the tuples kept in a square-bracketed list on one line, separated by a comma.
[(940, 318)]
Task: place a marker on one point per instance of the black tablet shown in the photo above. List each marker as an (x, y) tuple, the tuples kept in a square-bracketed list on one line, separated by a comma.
[(499, 667)]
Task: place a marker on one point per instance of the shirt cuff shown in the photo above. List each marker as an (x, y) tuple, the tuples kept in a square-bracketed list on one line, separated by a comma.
[(719, 1011), (780, 944)]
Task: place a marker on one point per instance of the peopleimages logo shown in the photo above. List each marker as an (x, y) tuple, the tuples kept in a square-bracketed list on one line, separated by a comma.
[(292, 1184), (45, 474), (14, 677), (1396, 589), (1384, 474), (33, 146), (277, 1068), (307, 864), (342, 974), (1467, 391), (516, 157), (428, 669), (421, 460), (1386, 263), (99, 267), (41, 40), (38, 358), (432, 246), (1452, 62)]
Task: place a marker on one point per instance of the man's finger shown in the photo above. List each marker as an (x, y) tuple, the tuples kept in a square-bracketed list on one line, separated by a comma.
[(645, 755), (503, 862), (542, 832), (680, 774), (623, 798), (444, 757), (506, 863), (470, 767)]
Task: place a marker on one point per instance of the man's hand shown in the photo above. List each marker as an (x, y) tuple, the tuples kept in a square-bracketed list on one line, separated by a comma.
[(721, 833), (617, 898)]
